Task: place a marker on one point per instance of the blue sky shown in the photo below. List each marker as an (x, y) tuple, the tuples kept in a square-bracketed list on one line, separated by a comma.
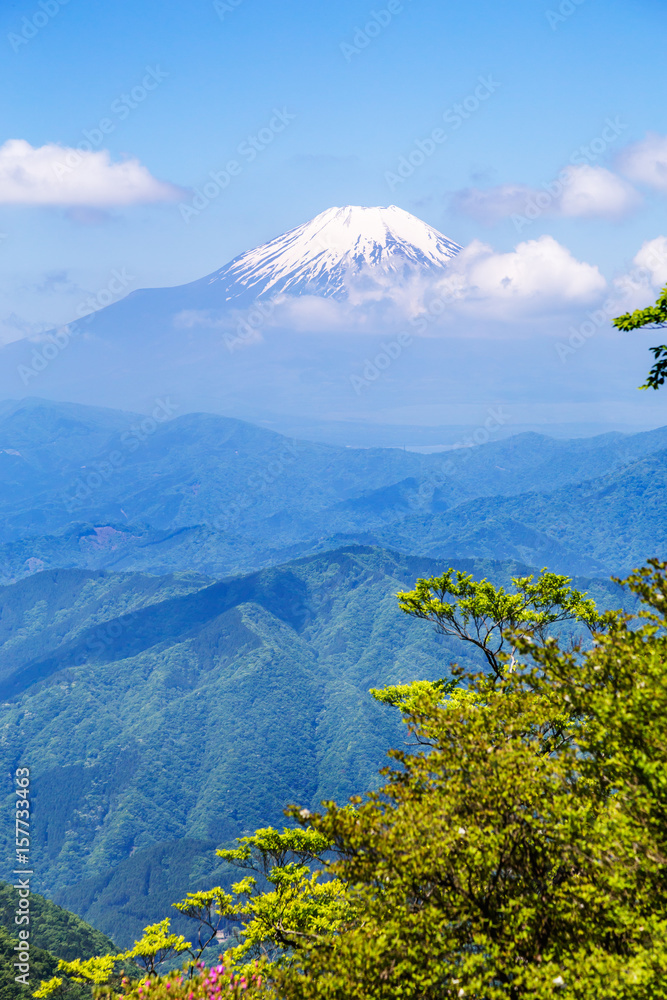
[(361, 99)]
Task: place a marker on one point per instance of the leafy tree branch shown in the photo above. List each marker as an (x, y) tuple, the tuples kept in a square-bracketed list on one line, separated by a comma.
[(651, 318)]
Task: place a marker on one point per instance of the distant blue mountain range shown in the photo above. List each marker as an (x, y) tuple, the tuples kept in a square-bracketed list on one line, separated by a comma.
[(91, 488)]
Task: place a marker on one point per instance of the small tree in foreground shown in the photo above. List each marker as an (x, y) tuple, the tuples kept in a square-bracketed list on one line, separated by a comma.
[(157, 945), (651, 318), (283, 899)]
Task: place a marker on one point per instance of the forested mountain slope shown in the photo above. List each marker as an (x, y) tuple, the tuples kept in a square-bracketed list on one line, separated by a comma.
[(54, 933), (164, 716), (605, 526)]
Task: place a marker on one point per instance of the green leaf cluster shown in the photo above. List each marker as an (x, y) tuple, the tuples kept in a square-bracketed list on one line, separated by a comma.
[(157, 945), (492, 618), (652, 318), (285, 900)]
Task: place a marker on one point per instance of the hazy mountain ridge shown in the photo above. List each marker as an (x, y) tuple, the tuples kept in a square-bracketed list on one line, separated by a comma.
[(216, 495), (609, 525)]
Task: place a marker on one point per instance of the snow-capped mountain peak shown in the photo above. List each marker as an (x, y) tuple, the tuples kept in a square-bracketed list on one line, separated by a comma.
[(321, 256)]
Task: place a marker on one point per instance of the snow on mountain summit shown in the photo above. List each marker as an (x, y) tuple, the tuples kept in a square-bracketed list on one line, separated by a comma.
[(321, 256)]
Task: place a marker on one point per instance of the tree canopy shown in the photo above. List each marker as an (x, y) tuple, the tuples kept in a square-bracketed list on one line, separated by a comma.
[(650, 318), (522, 852), (490, 617)]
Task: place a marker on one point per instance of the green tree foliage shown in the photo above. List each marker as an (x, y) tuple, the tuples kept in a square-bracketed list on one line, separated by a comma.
[(283, 899), (209, 909), (523, 851), (489, 617), (157, 946), (91, 970), (651, 318), (50, 988), (280, 900)]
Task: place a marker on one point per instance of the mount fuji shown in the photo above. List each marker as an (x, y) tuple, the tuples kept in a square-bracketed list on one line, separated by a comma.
[(323, 256), (177, 339), (337, 251), (312, 329)]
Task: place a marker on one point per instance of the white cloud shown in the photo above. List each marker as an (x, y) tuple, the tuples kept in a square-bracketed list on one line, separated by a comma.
[(578, 192), (594, 192), (537, 278), (57, 175), (639, 286), (652, 257), (646, 161)]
